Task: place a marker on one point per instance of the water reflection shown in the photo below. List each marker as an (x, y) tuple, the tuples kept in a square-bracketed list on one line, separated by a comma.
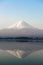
[(31, 52)]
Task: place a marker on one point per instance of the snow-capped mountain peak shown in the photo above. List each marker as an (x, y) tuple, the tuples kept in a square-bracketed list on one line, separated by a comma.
[(20, 25), (21, 28)]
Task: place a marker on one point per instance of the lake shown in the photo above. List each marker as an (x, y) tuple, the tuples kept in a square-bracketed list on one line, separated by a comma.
[(34, 57)]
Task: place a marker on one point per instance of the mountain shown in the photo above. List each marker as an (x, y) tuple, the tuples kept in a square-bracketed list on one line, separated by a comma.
[(20, 25), (21, 28)]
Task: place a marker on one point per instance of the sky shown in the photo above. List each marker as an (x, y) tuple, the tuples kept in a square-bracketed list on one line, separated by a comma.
[(12, 11)]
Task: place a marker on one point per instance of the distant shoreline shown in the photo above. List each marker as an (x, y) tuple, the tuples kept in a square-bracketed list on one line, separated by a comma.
[(22, 39)]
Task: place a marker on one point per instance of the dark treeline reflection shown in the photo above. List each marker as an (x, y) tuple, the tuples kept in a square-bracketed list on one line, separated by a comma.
[(21, 39)]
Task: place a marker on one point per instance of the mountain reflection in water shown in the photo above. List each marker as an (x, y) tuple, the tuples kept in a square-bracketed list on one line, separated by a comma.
[(24, 53)]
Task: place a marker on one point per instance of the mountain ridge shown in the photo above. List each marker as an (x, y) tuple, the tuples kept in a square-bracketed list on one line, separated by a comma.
[(20, 25), (21, 29)]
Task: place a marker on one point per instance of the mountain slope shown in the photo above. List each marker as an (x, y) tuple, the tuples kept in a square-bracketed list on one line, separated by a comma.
[(21, 29), (20, 25)]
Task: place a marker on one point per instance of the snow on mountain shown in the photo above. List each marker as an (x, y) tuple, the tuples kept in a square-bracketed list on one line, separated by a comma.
[(21, 28), (20, 25)]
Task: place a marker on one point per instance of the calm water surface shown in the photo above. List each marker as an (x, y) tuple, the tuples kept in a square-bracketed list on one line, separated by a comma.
[(34, 58)]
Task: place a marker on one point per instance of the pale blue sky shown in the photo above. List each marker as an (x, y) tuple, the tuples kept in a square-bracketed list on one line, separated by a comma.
[(12, 11)]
